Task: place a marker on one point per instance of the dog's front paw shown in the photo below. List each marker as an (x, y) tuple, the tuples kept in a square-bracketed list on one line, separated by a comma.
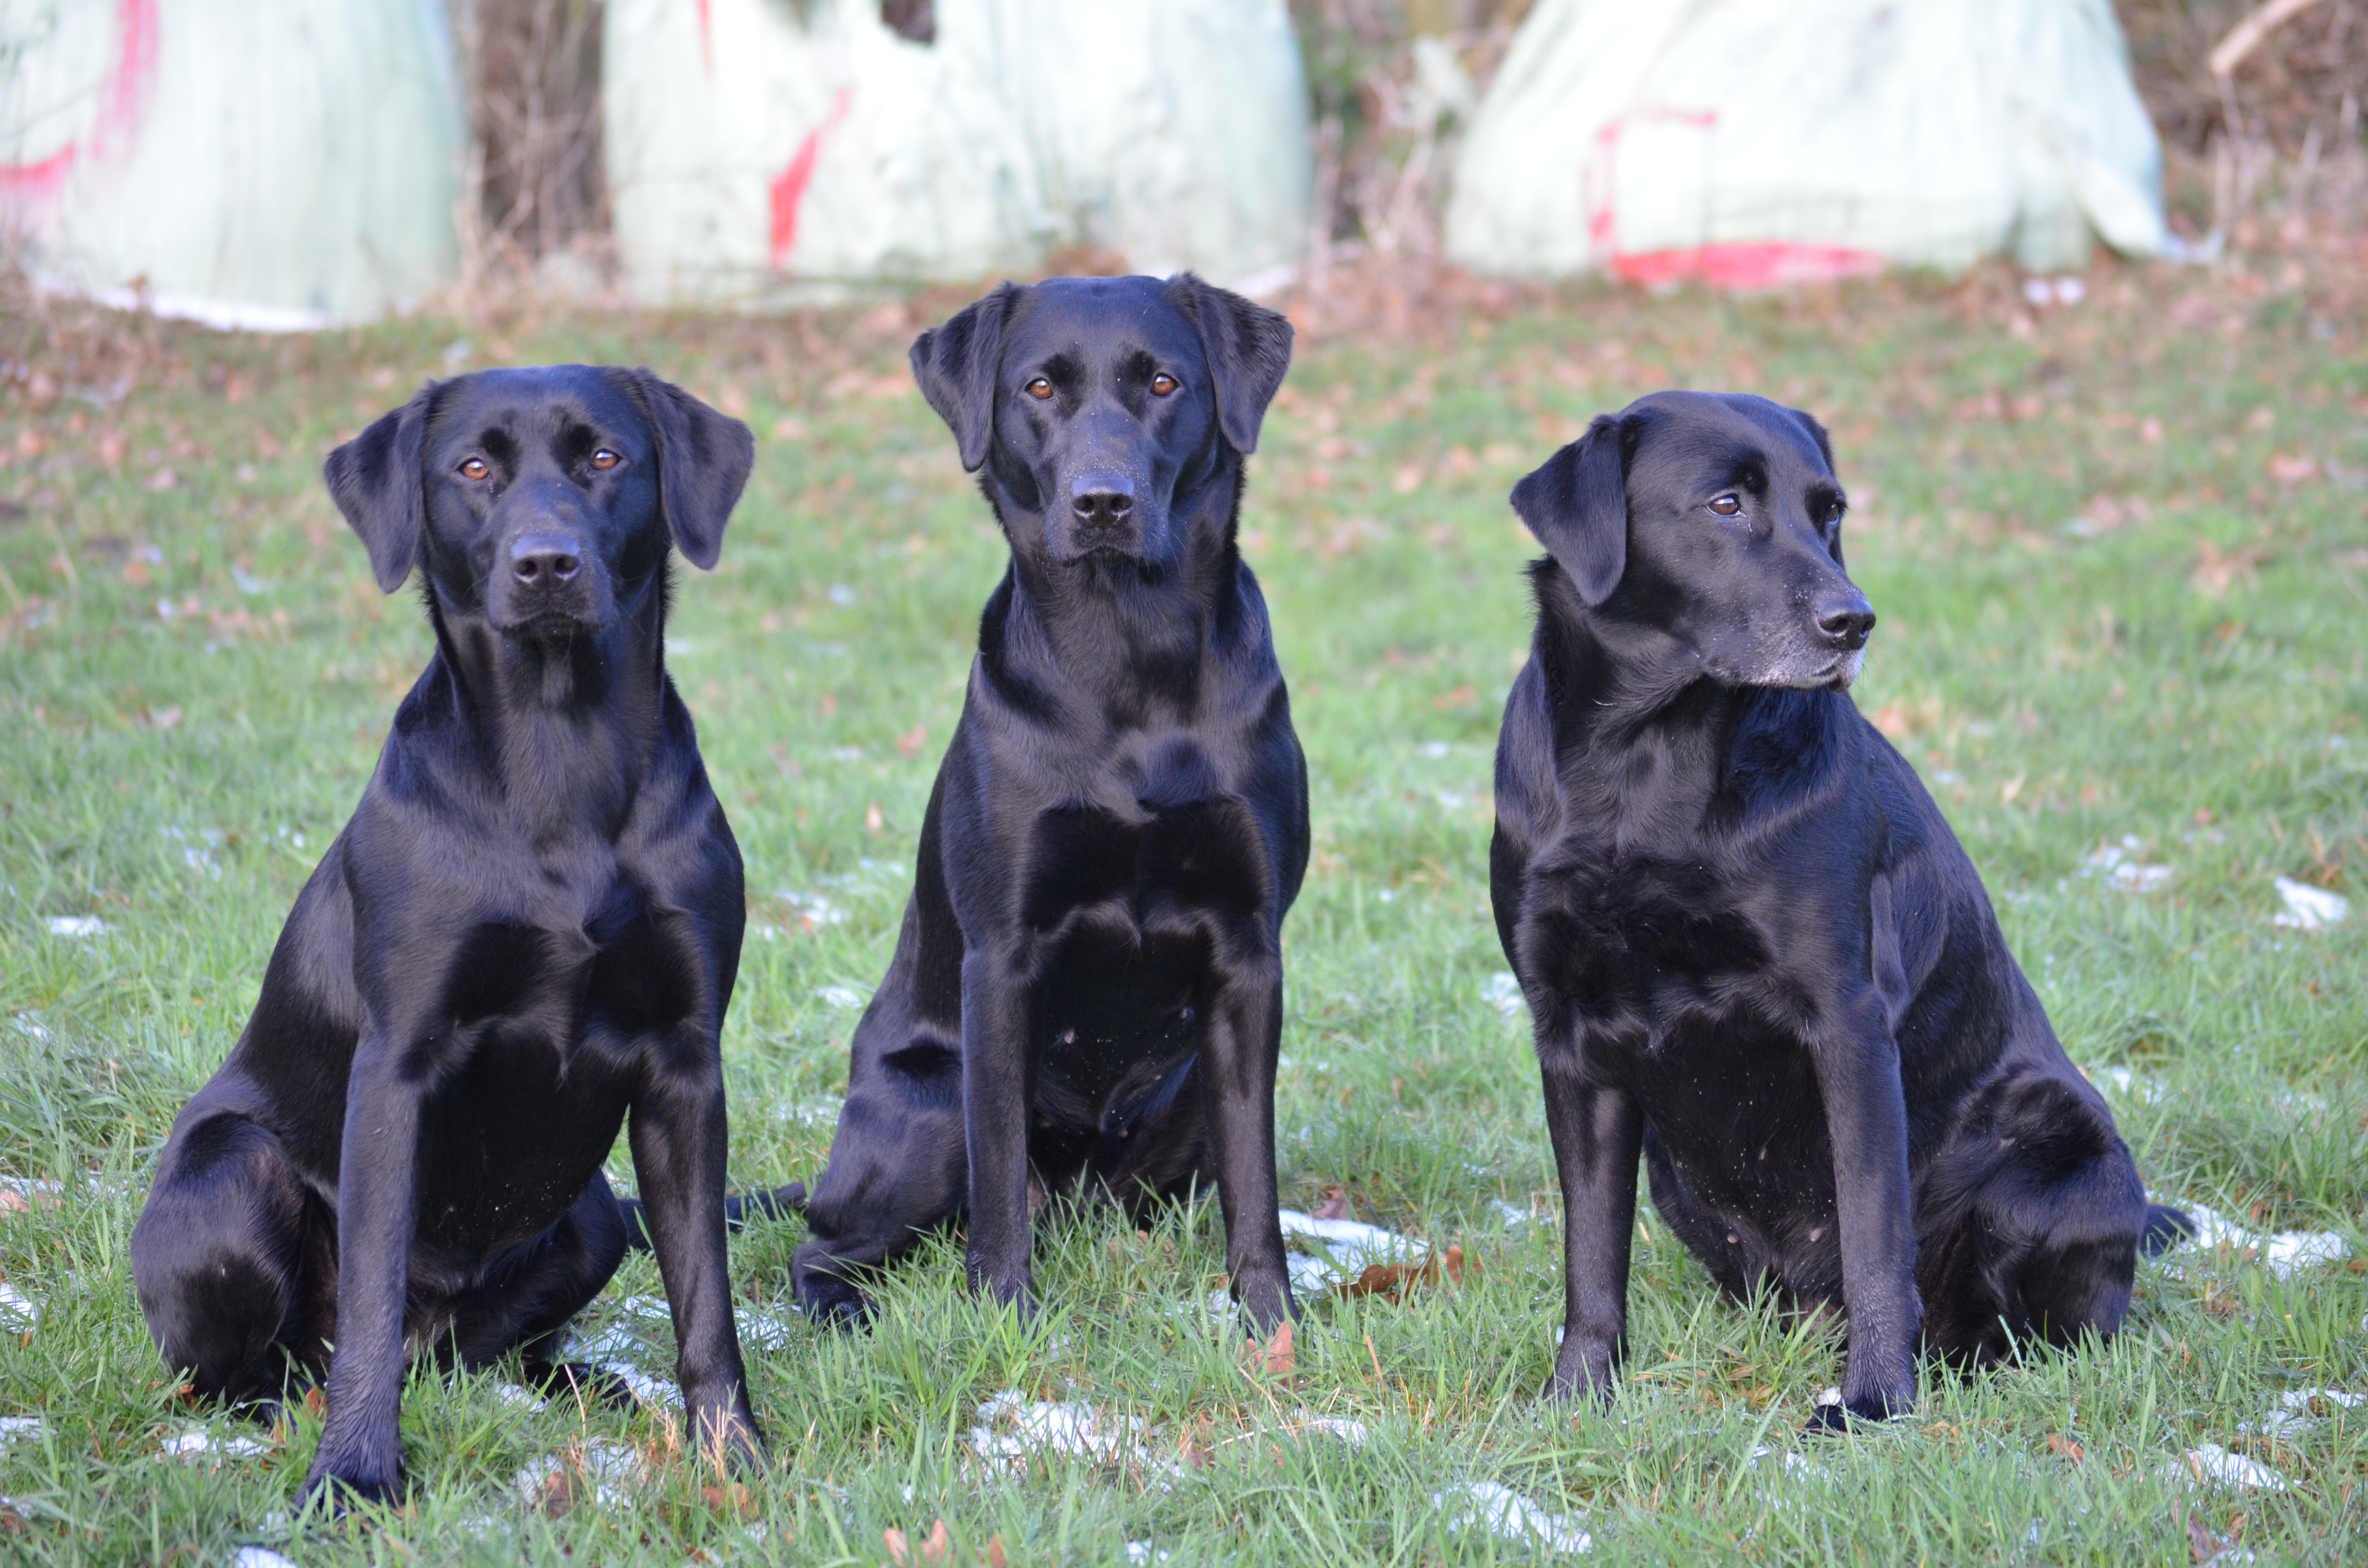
[(725, 1430), (1266, 1303), (1586, 1368), (1856, 1406), (347, 1487)]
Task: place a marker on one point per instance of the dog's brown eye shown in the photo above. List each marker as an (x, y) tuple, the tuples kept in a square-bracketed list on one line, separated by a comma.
[(1162, 383), (474, 468), (604, 459), (1726, 506), (1039, 389)]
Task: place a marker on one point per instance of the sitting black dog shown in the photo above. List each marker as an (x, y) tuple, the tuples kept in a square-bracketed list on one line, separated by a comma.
[(1087, 995), (1752, 946), (529, 927)]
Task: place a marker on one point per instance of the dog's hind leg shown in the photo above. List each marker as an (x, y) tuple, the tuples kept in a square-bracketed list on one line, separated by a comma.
[(2031, 1225), (218, 1257)]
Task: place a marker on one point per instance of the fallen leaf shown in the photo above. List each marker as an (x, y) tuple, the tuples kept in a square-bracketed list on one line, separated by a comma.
[(2215, 572), (733, 1498), (912, 740), (905, 1554), (1277, 1354), (995, 1557), (1335, 1205), (1394, 1279), (2203, 1546), (2057, 1443), (874, 821)]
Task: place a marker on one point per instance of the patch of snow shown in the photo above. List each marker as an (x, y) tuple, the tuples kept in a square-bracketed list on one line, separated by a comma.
[(2130, 1085), (1503, 992), (2281, 1253), (2309, 908), (258, 1557), (1011, 1428), (15, 1426), (516, 1397), (19, 1311), (611, 1468), (1347, 1428), (2118, 864), (1501, 1511), (761, 1331), (1511, 1213), (83, 926), (2294, 1413), (842, 995), (1347, 1248), (2212, 1465), (203, 1444)]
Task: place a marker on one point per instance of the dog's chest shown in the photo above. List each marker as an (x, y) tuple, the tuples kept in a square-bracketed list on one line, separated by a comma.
[(1144, 872), (1633, 943)]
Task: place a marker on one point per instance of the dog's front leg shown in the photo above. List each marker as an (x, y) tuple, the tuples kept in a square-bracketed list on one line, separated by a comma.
[(1239, 1047), (361, 1445), (1597, 1130), (679, 1137), (999, 1080), (1866, 1121)]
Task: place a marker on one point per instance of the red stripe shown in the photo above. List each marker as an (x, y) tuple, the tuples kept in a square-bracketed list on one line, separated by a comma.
[(789, 188), (123, 98)]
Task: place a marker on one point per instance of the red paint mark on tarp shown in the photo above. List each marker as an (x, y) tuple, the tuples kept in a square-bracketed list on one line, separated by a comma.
[(706, 36), (1747, 264), (122, 98), (1762, 264), (788, 187)]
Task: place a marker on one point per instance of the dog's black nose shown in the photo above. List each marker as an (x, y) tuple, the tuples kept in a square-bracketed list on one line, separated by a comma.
[(1100, 500), (1846, 619), (544, 561)]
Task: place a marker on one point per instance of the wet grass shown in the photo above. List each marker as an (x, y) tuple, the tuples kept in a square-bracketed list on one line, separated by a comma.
[(2119, 551)]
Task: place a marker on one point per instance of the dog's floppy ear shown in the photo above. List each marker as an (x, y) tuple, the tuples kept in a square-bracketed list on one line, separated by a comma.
[(1248, 348), (1577, 506), (1816, 433), (703, 463), (374, 479), (956, 365)]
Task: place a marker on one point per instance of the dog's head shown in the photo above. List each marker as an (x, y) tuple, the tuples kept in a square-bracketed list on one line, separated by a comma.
[(1716, 519), (1102, 406), (543, 499)]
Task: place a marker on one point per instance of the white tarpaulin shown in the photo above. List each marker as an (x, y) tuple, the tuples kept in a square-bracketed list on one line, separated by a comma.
[(752, 143), (1755, 141), (266, 162)]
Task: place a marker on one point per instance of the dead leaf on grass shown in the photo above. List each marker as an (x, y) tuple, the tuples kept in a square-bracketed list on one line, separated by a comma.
[(1394, 1279), (1335, 1205), (1276, 1355), (910, 743), (2216, 571), (2058, 1444), (905, 1554)]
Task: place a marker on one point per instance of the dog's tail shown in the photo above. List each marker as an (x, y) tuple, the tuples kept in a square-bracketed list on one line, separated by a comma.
[(2165, 1228), (780, 1203)]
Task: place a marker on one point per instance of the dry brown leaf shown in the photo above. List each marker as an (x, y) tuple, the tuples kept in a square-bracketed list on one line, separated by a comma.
[(995, 1558), (875, 822), (2057, 1443), (1276, 1355), (910, 743), (733, 1498), (1394, 1279), (907, 1553), (1335, 1205)]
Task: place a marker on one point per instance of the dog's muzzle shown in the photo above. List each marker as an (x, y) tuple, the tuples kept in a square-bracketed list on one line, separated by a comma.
[(546, 583)]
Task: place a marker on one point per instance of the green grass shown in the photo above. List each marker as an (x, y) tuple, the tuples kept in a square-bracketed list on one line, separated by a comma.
[(2192, 677)]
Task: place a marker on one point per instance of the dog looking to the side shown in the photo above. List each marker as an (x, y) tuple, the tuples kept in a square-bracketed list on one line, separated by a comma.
[(1087, 989), (528, 930), (1752, 948)]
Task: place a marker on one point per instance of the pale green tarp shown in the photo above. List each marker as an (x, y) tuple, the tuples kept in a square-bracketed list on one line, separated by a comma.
[(754, 143), (266, 162), (1751, 141)]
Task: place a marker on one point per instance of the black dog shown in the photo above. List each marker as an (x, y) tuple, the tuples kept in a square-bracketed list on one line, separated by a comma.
[(529, 927), (1751, 945), (1088, 990)]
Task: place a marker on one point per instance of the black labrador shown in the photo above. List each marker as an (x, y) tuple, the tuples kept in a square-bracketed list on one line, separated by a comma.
[(1087, 995), (1751, 945), (529, 928)]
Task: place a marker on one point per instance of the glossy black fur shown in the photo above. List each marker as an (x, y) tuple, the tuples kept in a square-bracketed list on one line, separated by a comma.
[(1087, 995), (527, 932), (1751, 945)]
